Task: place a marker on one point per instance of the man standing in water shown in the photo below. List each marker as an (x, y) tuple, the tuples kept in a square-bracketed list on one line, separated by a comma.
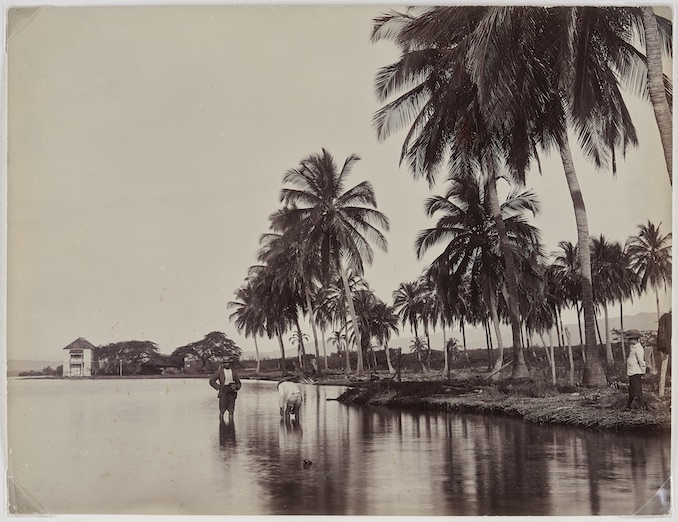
[(635, 368), (226, 381)]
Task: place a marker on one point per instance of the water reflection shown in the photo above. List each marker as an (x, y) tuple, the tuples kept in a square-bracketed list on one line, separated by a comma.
[(359, 460), (227, 433)]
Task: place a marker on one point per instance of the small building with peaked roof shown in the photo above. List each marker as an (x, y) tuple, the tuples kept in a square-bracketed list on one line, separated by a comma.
[(80, 359)]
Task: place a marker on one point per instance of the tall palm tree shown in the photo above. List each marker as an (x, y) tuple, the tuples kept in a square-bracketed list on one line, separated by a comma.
[(276, 302), (469, 234), (650, 254), (657, 31), (608, 279), (560, 67), (447, 123), (338, 223), (568, 276), (294, 263), (407, 304), (247, 316), (384, 322)]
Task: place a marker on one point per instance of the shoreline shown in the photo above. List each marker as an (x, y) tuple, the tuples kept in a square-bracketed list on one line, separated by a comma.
[(589, 408), (533, 402)]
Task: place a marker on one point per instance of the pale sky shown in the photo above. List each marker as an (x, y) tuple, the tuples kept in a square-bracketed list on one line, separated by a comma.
[(147, 148)]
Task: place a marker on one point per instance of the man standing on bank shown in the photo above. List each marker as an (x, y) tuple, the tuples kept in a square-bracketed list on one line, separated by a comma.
[(227, 382), (635, 369)]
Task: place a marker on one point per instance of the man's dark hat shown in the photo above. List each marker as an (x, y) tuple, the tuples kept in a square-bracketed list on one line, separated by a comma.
[(633, 334)]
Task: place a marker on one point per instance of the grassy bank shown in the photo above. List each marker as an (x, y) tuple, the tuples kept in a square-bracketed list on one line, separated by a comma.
[(597, 408)]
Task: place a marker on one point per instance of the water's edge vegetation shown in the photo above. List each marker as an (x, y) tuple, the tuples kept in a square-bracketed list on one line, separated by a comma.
[(587, 408)]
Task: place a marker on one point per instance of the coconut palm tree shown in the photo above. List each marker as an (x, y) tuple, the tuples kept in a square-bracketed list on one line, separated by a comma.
[(338, 224), (650, 254), (568, 277), (293, 262), (247, 317), (560, 67), (469, 234), (384, 323), (608, 278), (332, 306), (418, 347), (658, 38), (407, 304), (276, 302)]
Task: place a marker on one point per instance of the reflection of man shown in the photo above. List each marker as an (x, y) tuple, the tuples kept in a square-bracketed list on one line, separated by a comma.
[(227, 382), (226, 433), (289, 398)]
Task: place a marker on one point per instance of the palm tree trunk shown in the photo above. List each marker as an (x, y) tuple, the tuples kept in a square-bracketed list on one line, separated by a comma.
[(553, 357), (581, 337), (356, 329), (301, 352), (656, 295), (569, 353), (655, 81), (391, 370), (600, 337), (428, 347), (348, 356), (488, 341), (256, 350), (311, 319), (282, 353), (324, 348), (447, 362), (499, 361), (519, 369), (608, 342), (463, 340), (621, 326), (593, 370)]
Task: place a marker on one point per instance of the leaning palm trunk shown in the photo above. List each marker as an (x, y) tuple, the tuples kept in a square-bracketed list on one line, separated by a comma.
[(358, 339), (282, 353), (499, 362), (311, 318), (348, 357), (593, 370), (519, 369), (655, 80)]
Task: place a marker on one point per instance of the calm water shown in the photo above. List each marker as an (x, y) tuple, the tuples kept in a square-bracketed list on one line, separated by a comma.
[(156, 446)]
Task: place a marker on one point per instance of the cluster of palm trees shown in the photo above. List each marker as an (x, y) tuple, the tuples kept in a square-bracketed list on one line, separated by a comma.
[(485, 88), (482, 89), (313, 259)]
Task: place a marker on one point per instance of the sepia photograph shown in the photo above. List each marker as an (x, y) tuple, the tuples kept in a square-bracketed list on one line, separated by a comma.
[(338, 260)]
